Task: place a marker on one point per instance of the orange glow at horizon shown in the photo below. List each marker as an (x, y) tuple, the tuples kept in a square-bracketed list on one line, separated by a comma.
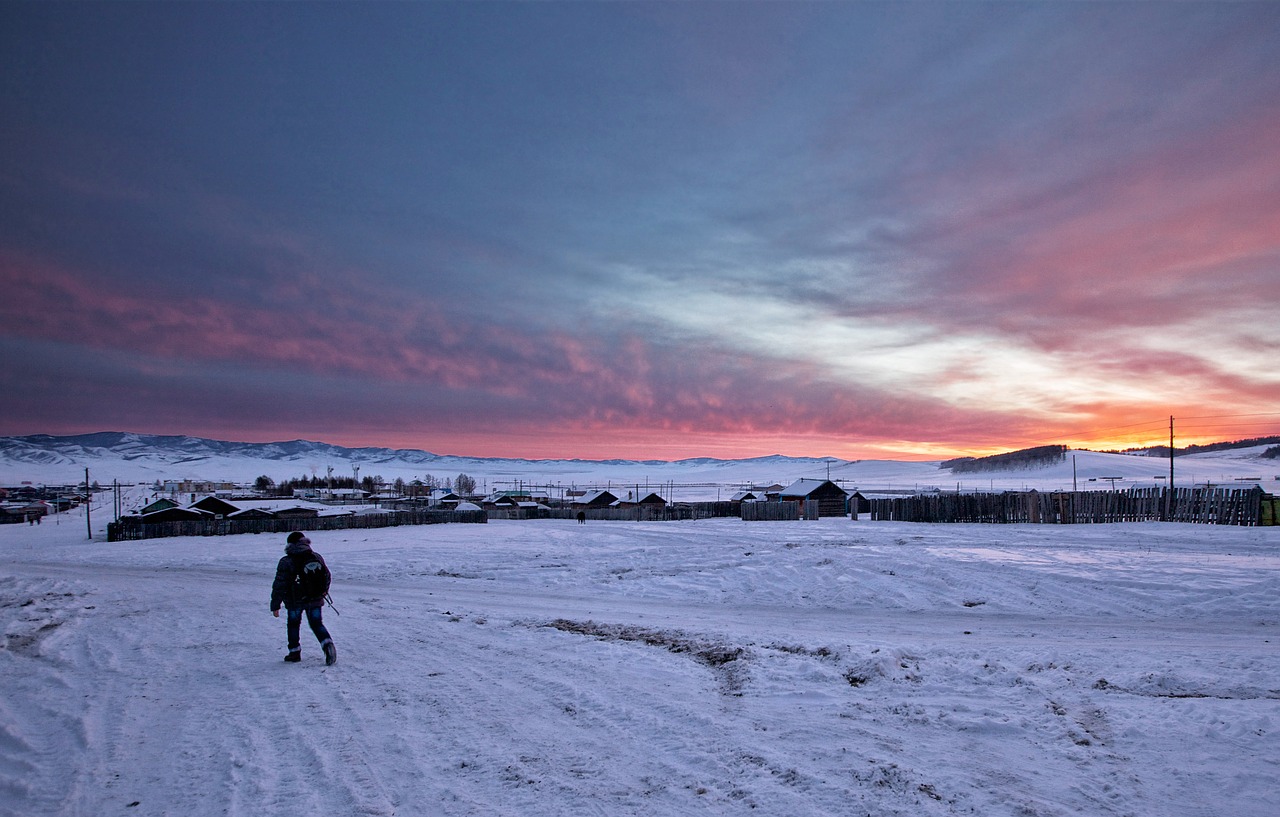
[(661, 446)]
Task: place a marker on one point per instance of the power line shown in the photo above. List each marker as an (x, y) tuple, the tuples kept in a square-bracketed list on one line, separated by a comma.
[(1218, 416)]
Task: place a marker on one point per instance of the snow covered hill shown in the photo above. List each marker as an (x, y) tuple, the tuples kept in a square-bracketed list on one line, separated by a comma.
[(142, 458)]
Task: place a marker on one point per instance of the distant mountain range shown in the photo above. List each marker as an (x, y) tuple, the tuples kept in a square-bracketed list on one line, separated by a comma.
[(130, 456), (44, 449)]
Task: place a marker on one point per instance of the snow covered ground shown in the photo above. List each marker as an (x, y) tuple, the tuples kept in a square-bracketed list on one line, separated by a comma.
[(711, 667)]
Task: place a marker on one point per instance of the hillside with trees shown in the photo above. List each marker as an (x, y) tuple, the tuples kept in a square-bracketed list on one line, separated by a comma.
[(1038, 457)]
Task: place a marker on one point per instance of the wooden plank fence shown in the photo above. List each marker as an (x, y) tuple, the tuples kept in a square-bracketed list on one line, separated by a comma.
[(131, 528), (770, 511), (681, 511), (1212, 506)]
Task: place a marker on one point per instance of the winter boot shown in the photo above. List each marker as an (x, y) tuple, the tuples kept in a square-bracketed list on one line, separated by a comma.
[(330, 652), (294, 656)]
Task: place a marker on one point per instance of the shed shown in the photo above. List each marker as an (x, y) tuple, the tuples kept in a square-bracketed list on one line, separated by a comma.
[(175, 514), (831, 498), (859, 502), (251, 513), (595, 499), (299, 512), (442, 497), (30, 510), (651, 500), (159, 505), (501, 502)]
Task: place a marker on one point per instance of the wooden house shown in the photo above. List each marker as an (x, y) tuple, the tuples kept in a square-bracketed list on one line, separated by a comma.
[(595, 499), (651, 500), (446, 498), (215, 506), (252, 513), (831, 498), (175, 514), (159, 505), (297, 512), (859, 502), (500, 502)]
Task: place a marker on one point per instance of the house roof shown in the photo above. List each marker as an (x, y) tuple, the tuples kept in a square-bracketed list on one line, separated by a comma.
[(595, 496), (175, 515), (271, 506), (804, 487), (215, 505)]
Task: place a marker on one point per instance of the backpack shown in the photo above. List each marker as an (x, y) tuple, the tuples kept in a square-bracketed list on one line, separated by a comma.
[(312, 578)]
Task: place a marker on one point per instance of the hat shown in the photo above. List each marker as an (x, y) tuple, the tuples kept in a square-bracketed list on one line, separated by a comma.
[(296, 536)]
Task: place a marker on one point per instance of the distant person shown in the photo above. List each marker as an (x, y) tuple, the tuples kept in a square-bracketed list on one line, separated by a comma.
[(302, 584), (582, 517)]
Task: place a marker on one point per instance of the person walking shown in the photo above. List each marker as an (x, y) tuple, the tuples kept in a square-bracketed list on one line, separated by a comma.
[(301, 585)]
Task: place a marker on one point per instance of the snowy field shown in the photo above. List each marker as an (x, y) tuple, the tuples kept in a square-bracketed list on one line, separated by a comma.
[(710, 667)]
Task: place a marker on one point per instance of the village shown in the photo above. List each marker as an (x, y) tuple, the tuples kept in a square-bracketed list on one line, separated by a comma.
[(29, 504), (188, 507), (176, 506)]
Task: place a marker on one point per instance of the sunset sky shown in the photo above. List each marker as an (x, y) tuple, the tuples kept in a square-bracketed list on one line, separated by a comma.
[(903, 230)]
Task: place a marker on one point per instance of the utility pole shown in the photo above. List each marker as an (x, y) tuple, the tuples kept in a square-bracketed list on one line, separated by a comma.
[(1168, 496), (88, 503)]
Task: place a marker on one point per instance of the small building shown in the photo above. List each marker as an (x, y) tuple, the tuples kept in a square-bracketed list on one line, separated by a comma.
[(448, 499), (296, 512), (15, 512), (595, 499), (216, 506), (196, 486), (831, 498), (652, 500), (345, 494), (251, 513), (859, 502), (27, 510), (500, 502), (175, 514), (159, 505)]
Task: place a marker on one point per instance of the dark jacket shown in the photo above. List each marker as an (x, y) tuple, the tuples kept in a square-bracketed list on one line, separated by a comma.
[(283, 589)]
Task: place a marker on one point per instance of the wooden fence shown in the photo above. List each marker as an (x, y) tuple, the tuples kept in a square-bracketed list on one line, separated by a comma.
[(132, 528), (770, 511), (1213, 506), (639, 513)]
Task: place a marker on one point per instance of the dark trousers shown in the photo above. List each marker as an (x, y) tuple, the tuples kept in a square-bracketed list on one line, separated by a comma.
[(295, 626)]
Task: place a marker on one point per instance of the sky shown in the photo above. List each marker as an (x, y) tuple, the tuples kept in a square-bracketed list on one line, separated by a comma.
[(642, 230)]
